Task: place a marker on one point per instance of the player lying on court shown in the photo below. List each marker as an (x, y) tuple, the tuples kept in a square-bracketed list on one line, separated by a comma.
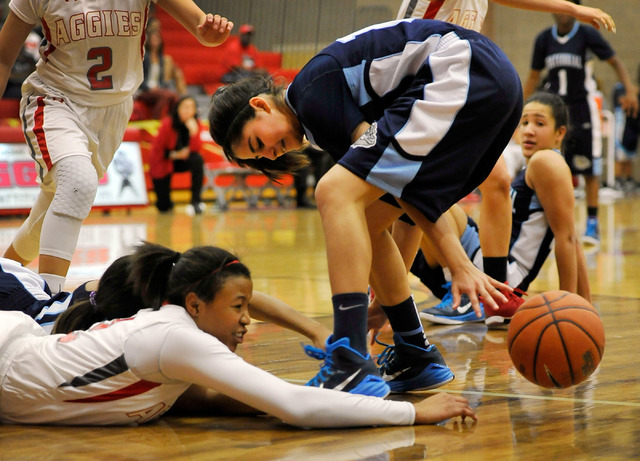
[(76, 105), (23, 290), (132, 370), (543, 219), (401, 108)]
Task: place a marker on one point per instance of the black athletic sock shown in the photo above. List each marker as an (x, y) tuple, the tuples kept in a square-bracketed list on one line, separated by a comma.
[(405, 321), (592, 212), (350, 319), (432, 277), (495, 267)]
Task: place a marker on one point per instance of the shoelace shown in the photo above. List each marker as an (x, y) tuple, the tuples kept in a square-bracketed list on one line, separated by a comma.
[(319, 354), (387, 355)]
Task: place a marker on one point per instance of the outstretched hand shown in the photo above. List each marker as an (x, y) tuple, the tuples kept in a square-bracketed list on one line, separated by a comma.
[(596, 17), (442, 406), (215, 29), (476, 284)]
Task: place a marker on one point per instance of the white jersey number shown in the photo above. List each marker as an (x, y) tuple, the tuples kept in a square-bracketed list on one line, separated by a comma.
[(104, 56)]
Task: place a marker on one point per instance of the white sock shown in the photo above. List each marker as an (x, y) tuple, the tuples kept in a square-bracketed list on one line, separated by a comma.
[(55, 282)]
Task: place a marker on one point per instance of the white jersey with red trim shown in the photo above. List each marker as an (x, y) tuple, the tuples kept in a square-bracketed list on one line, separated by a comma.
[(130, 371), (93, 49), (469, 14)]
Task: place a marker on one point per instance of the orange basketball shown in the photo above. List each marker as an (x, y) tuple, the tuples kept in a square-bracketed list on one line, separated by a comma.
[(556, 339)]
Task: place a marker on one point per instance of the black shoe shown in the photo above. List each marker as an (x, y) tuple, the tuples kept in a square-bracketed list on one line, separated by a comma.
[(406, 367)]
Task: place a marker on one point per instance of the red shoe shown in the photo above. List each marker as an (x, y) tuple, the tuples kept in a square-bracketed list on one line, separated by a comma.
[(502, 316)]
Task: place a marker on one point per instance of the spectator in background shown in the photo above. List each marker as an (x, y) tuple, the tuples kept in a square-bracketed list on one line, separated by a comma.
[(163, 80), (176, 148), (24, 65), (627, 130), (242, 55)]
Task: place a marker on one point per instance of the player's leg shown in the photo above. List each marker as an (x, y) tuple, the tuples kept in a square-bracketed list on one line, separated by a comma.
[(162, 188), (429, 264), (26, 243), (411, 363), (495, 221), (76, 186), (584, 152), (342, 198)]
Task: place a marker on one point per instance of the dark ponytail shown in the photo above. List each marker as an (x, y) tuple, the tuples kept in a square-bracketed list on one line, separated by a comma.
[(160, 274), (147, 278), (151, 267), (115, 298)]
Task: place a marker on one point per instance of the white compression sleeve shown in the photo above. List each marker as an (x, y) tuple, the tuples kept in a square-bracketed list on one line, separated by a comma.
[(76, 185), (195, 357)]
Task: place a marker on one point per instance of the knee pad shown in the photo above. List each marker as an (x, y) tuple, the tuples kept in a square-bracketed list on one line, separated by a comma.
[(76, 186)]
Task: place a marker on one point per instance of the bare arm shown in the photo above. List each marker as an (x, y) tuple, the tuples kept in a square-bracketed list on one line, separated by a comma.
[(209, 29), (267, 308), (176, 75), (550, 177), (531, 84), (465, 277), (629, 100), (594, 16), (12, 36)]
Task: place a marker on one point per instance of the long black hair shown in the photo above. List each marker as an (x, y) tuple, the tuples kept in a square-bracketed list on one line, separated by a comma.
[(230, 111), (160, 274), (115, 298), (183, 136), (147, 278)]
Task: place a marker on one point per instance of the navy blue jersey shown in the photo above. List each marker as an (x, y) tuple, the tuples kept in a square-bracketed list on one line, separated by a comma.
[(425, 88), (565, 59), (338, 89), (23, 290), (531, 235)]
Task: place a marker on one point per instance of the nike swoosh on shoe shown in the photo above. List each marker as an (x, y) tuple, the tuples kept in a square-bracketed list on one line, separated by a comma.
[(387, 377), (346, 382)]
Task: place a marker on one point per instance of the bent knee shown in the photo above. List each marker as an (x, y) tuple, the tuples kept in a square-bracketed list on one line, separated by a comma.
[(76, 187), (498, 181)]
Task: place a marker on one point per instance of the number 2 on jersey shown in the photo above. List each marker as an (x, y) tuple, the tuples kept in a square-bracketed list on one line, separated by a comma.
[(103, 55)]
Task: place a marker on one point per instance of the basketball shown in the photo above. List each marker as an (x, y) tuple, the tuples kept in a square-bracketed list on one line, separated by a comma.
[(556, 339)]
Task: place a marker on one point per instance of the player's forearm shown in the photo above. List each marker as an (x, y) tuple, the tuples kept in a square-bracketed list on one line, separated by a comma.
[(584, 289), (447, 242), (209, 29), (530, 84), (186, 13), (567, 264), (267, 308), (550, 6), (623, 75)]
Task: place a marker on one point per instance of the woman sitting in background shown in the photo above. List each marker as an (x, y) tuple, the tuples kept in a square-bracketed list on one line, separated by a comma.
[(163, 80), (176, 148)]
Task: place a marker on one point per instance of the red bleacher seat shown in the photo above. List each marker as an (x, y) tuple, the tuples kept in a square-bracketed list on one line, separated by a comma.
[(9, 108), (203, 65)]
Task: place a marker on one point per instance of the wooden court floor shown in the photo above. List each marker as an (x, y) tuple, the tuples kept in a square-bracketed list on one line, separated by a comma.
[(284, 247)]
